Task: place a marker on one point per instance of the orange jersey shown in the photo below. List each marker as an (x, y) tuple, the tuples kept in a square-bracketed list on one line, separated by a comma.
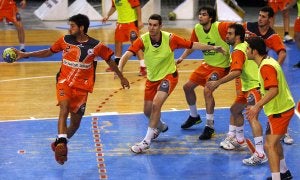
[(133, 3), (7, 4), (278, 1), (223, 26), (271, 38), (176, 42), (238, 59), (269, 75), (9, 11), (79, 61)]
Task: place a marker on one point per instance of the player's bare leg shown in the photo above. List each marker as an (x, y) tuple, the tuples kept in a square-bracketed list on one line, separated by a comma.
[(190, 96)]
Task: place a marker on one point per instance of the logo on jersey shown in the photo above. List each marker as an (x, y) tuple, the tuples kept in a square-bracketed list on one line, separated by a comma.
[(210, 52), (90, 51), (79, 65)]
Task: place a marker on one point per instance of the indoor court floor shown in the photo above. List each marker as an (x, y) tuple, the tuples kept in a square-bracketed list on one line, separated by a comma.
[(101, 147), (100, 150)]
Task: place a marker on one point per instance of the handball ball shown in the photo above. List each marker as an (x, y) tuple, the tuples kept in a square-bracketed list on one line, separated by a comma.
[(9, 55), (172, 16)]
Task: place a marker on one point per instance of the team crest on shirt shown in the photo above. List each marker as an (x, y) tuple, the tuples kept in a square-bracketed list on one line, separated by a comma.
[(90, 51)]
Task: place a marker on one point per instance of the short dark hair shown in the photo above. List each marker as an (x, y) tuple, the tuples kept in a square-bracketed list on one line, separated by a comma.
[(156, 17), (258, 44), (81, 20), (269, 10), (210, 11), (239, 30)]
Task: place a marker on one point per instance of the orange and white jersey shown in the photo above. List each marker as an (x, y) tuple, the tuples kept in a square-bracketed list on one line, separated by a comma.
[(79, 61)]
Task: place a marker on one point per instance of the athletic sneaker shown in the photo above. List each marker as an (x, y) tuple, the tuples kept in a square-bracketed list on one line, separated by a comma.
[(284, 176), (61, 150), (297, 65), (231, 143), (287, 38), (140, 147), (255, 159), (191, 121), (287, 139), (162, 129), (207, 133), (287, 175), (143, 71)]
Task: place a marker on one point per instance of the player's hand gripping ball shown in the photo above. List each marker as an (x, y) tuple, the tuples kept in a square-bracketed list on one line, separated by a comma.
[(9, 55)]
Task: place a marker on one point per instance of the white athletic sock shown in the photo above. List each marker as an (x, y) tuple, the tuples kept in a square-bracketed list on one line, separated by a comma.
[(259, 145), (142, 63), (22, 46), (276, 176), (232, 130), (150, 134), (62, 136), (210, 120), (283, 166), (240, 134), (193, 110)]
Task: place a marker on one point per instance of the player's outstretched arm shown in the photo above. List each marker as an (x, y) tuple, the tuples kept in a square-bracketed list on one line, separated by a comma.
[(124, 59), (185, 54), (114, 67), (201, 46), (40, 54)]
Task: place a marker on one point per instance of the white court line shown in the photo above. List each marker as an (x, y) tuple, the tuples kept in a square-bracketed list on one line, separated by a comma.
[(102, 114), (44, 77)]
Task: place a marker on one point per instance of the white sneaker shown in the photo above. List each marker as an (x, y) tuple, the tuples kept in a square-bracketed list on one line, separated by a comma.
[(287, 38), (231, 143), (287, 139), (162, 129), (255, 160), (225, 144), (140, 147)]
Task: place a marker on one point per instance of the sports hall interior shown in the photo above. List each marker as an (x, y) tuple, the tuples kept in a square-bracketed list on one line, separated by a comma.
[(114, 120)]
